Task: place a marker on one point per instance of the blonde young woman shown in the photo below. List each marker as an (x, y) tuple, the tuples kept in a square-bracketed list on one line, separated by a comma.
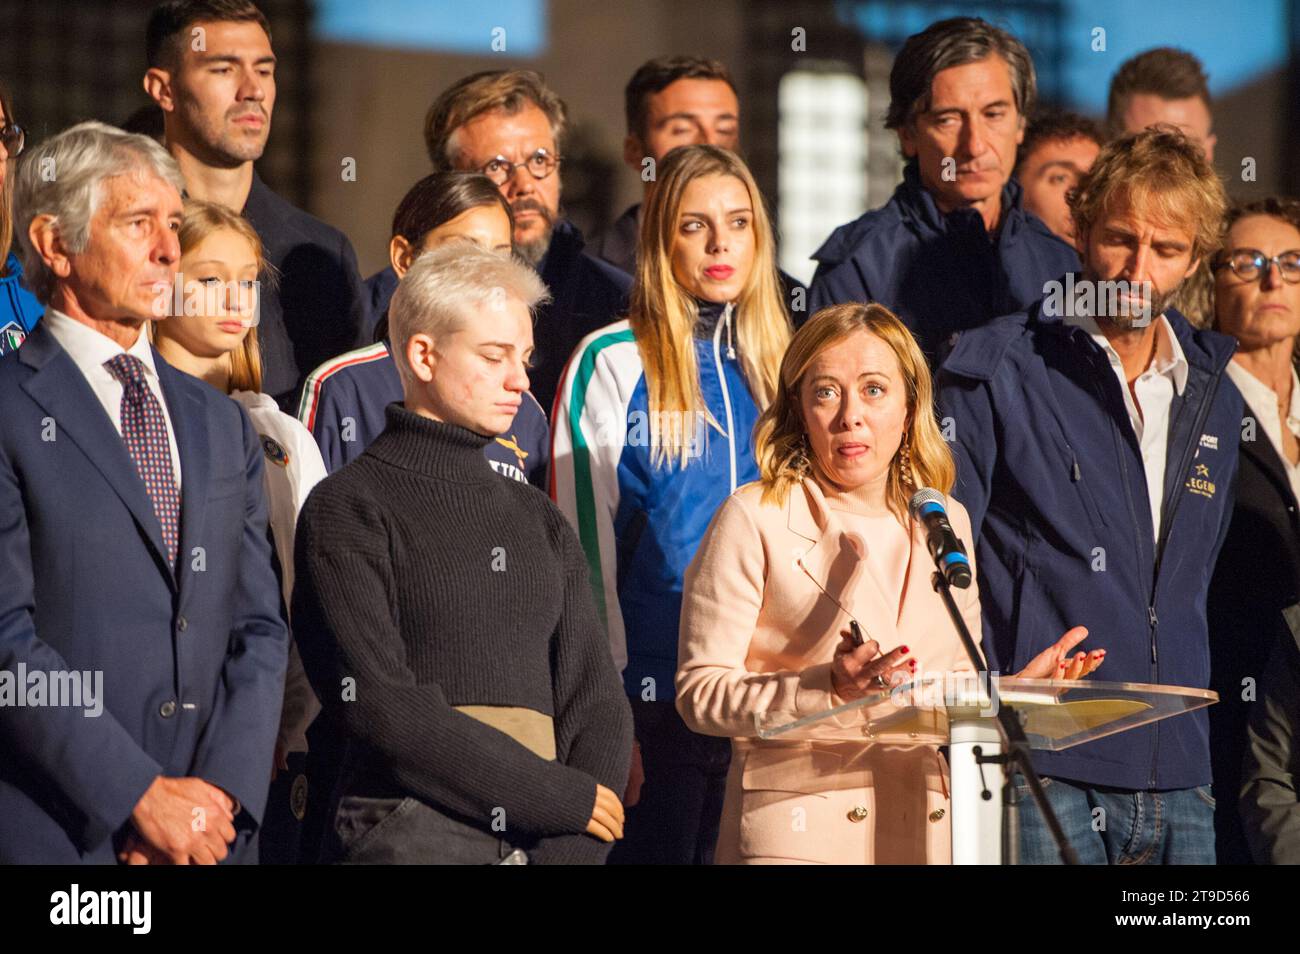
[(823, 539), (652, 429), (214, 338)]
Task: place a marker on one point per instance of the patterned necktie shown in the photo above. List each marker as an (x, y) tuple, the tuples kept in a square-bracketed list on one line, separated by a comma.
[(145, 431)]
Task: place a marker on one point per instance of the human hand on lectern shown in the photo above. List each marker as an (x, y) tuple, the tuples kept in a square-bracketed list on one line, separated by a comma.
[(859, 670), (1055, 662)]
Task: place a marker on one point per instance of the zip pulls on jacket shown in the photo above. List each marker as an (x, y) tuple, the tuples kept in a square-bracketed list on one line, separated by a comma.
[(722, 383)]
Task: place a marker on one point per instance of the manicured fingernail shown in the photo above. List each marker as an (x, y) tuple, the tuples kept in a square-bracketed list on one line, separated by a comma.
[(903, 649)]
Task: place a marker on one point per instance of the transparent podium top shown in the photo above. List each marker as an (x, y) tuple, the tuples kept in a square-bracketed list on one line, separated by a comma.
[(1056, 714)]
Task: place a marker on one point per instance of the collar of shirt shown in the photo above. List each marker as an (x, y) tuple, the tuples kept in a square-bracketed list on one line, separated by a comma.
[(1262, 398), (89, 349), (1169, 360)]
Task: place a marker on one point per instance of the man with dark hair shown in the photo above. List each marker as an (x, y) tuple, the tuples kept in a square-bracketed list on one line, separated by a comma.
[(508, 125), (1164, 85), (954, 247), (670, 101), (676, 101), (1058, 149), (1095, 435), (212, 72)]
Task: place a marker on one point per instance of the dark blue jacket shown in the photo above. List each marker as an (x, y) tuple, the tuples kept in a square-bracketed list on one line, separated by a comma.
[(192, 658), (586, 294), (1050, 472), (19, 309), (315, 308), (939, 273), (343, 406)]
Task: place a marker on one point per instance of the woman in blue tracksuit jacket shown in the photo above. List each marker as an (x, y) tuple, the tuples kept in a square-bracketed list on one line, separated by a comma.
[(652, 431)]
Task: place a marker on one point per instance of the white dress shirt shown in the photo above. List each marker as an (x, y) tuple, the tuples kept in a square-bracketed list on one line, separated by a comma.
[(1148, 413), (1262, 404), (89, 350)]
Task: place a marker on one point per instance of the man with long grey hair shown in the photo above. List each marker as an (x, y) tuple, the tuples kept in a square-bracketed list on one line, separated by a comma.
[(954, 248), (132, 540), (484, 719)]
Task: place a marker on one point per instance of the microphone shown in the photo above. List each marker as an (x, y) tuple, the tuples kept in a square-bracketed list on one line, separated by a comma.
[(927, 506)]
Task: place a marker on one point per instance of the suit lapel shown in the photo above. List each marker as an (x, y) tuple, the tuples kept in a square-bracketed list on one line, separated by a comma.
[(186, 410), (1265, 457), (59, 387)]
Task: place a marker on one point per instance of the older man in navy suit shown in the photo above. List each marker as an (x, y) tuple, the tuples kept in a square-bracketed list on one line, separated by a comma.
[(134, 561)]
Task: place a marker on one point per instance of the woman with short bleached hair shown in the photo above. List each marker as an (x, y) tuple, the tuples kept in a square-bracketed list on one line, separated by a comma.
[(822, 540), (448, 616)]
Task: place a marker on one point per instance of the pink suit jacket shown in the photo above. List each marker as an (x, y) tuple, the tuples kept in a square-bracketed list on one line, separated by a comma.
[(758, 635)]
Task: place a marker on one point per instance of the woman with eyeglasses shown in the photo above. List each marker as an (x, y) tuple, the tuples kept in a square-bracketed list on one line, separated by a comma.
[(19, 309), (1257, 577)]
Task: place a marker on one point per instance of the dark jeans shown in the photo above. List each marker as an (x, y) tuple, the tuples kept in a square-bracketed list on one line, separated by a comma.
[(1119, 826), (406, 831), (676, 820)]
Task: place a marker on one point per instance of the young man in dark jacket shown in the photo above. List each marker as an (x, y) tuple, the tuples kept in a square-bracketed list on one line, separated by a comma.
[(954, 248), (1096, 440), (212, 73)]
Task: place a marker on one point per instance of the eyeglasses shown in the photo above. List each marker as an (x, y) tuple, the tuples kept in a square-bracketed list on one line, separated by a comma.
[(1249, 264), (501, 170), (12, 137)]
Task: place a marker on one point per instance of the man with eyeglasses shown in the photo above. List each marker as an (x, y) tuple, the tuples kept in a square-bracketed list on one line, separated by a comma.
[(508, 125), (212, 72), (19, 308)]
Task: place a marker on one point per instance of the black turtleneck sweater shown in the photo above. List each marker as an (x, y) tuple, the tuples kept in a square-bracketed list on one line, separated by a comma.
[(434, 582)]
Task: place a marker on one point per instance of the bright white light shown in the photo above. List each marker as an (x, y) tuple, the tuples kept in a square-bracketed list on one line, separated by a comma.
[(822, 170)]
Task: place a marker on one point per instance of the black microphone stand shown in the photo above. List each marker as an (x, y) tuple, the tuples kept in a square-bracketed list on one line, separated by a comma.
[(1017, 753)]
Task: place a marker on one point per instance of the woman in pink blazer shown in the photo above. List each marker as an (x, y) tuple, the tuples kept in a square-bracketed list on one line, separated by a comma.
[(788, 562)]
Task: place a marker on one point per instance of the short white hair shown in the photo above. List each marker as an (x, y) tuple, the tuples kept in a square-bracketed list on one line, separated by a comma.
[(63, 177), (444, 286)]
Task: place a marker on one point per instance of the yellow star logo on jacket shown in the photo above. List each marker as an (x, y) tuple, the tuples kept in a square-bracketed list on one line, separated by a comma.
[(513, 445)]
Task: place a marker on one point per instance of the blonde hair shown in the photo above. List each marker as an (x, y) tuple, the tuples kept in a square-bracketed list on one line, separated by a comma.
[(1161, 172), (781, 439), (441, 292), (201, 220), (662, 314)]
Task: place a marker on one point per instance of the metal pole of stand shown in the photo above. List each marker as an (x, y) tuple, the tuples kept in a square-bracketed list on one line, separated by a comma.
[(1017, 754)]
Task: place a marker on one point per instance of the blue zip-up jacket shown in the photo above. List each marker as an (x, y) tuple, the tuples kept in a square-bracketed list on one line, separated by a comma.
[(343, 405), (639, 524), (19, 309), (1050, 471), (939, 273)]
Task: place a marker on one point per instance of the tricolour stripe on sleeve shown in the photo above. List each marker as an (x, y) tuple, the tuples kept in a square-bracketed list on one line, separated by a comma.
[(311, 389), (580, 411)]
